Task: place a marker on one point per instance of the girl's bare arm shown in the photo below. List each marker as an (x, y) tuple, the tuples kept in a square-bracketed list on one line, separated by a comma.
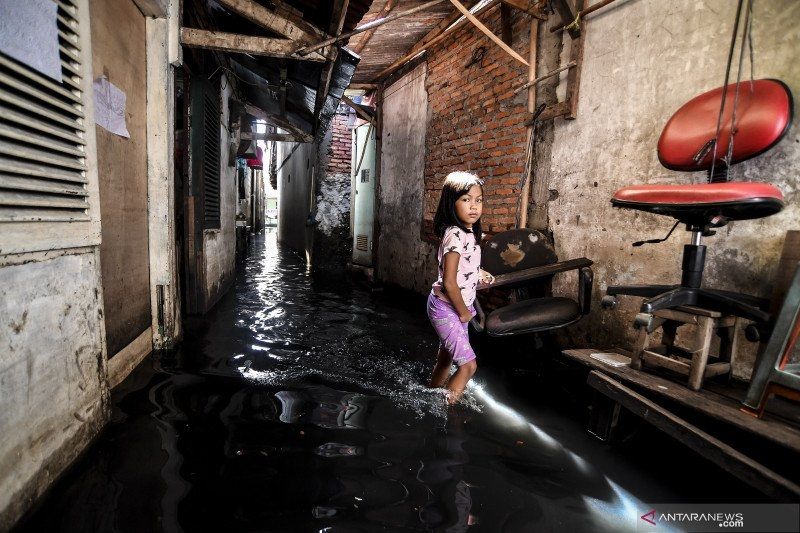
[(451, 288)]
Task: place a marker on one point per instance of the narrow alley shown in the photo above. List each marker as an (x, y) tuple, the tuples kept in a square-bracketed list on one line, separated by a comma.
[(299, 405)]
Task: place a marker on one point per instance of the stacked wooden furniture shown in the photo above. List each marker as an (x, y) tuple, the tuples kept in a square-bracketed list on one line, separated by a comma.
[(693, 363)]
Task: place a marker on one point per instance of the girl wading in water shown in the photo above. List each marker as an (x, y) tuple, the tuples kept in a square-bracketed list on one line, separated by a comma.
[(458, 224)]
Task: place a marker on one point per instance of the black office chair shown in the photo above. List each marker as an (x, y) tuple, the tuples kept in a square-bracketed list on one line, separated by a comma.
[(691, 141), (522, 259)]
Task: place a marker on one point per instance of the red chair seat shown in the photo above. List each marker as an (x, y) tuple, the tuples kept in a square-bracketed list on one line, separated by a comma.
[(699, 203)]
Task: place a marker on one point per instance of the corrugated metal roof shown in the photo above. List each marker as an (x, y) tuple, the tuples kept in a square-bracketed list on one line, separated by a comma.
[(394, 39), (261, 75)]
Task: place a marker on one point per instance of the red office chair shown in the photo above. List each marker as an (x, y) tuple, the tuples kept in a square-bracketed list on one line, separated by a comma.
[(690, 142)]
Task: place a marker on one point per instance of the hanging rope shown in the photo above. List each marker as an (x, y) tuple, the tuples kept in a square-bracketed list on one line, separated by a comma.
[(725, 90)]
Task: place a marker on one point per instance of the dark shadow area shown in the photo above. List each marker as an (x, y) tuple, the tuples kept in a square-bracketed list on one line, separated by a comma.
[(298, 404)]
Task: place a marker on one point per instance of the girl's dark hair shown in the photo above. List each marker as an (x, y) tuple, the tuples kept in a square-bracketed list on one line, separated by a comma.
[(455, 185)]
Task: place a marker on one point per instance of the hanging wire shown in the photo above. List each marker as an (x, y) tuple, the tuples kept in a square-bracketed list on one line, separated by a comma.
[(745, 32), (725, 88)]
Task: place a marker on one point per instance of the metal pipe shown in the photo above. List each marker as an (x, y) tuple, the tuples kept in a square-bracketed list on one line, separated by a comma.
[(696, 237), (368, 26)]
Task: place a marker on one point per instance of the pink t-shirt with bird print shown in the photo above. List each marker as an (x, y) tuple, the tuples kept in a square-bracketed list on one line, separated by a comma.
[(469, 263)]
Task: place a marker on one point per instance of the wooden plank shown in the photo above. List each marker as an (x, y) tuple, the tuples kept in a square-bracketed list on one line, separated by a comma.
[(271, 20), (574, 74), (567, 14), (275, 120), (152, 8), (129, 357), (486, 31), (713, 449), (360, 112), (530, 141), (358, 48), (243, 44), (505, 24), (708, 403), (526, 6), (282, 137)]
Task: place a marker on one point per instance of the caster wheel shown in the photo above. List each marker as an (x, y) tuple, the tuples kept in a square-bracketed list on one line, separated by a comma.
[(642, 320), (609, 302)]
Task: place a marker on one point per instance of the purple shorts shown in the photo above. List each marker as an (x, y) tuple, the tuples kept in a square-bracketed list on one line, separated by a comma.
[(453, 334)]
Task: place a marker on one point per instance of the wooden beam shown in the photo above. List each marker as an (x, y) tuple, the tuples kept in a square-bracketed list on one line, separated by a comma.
[(275, 120), (505, 24), (363, 86), (580, 16), (433, 38), (281, 137), (718, 452), (568, 14), (270, 20), (370, 32), (152, 8), (360, 112), (370, 25), (574, 75), (526, 7), (510, 51), (243, 44)]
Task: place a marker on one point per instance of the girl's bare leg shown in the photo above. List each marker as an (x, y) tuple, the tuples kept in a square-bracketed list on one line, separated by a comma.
[(442, 369), (460, 379)]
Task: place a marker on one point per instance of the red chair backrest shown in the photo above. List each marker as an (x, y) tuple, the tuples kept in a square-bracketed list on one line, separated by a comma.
[(763, 117)]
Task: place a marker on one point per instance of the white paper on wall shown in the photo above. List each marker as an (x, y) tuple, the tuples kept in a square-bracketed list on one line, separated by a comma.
[(29, 34), (109, 107)]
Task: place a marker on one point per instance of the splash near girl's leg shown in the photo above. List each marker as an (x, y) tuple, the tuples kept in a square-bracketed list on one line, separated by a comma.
[(454, 345)]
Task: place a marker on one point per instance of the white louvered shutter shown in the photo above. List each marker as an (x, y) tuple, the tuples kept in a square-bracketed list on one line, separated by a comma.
[(42, 135)]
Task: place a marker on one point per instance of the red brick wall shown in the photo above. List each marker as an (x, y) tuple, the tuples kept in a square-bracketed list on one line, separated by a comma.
[(341, 146), (476, 123)]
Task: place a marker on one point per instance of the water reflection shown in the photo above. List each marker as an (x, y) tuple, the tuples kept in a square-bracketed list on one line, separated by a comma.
[(298, 405)]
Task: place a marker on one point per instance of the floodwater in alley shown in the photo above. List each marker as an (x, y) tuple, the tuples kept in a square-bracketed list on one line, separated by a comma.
[(298, 404)]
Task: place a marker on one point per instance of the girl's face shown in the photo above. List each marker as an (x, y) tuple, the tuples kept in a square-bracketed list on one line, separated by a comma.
[(469, 206)]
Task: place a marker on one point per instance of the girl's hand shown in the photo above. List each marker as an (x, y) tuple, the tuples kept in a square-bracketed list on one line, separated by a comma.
[(485, 278), (465, 317)]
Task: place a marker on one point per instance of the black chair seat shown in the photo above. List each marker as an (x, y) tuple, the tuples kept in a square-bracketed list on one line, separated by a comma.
[(529, 316)]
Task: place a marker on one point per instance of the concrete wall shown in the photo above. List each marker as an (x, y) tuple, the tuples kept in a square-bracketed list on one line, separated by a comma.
[(643, 60), (219, 245), (119, 53), (295, 196), (52, 370), (403, 258)]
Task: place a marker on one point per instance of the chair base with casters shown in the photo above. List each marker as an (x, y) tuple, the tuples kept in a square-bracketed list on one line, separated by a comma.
[(690, 142), (519, 259), (775, 373)]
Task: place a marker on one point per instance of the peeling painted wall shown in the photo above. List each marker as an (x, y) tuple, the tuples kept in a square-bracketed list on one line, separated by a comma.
[(53, 390), (295, 192), (403, 258), (333, 241), (220, 244), (642, 61)]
